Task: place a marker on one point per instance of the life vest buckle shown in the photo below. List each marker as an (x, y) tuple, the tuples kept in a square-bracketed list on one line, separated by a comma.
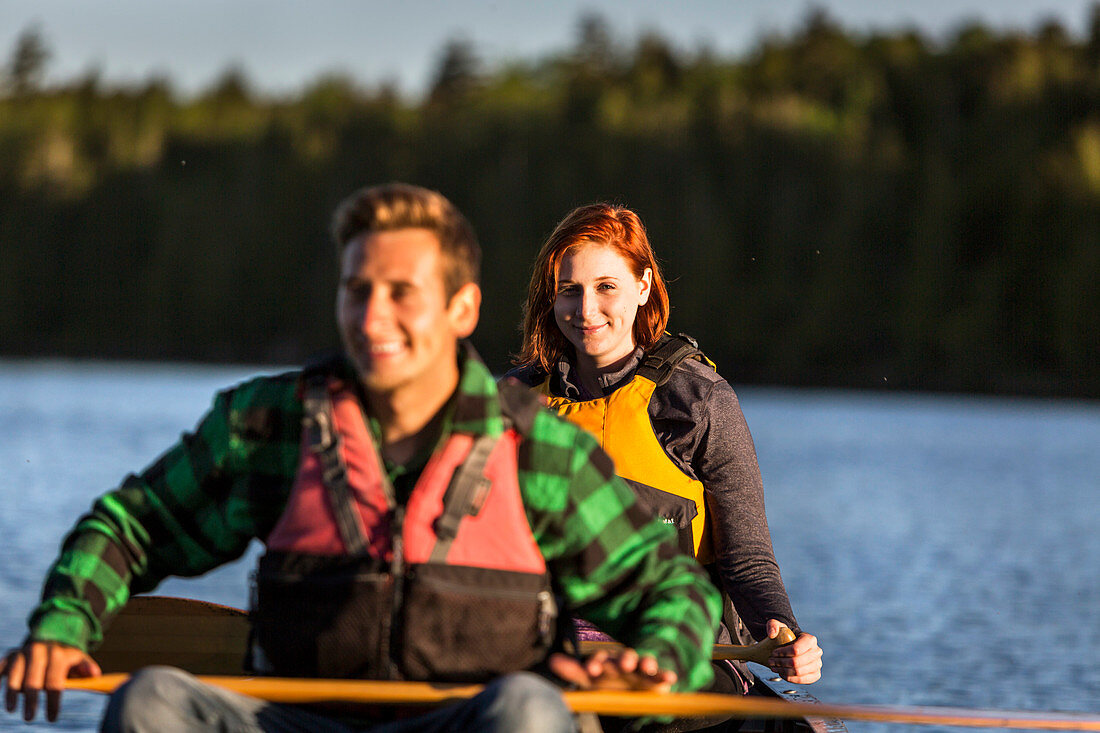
[(321, 433)]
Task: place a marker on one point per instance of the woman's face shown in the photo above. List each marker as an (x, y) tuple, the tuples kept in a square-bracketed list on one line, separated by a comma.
[(596, 302)]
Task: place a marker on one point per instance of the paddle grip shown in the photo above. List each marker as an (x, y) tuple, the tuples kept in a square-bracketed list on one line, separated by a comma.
[(759, 652)]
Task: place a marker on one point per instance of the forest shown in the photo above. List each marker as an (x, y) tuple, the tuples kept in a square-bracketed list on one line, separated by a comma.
[(868, 210)]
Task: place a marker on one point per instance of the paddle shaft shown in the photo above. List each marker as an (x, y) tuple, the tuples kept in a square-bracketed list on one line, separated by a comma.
[(623, 702)]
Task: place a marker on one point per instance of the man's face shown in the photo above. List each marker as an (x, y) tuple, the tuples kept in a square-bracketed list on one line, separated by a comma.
[(394, 317)]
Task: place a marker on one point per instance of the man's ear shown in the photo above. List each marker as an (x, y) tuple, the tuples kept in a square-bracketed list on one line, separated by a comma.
[(464, 309)]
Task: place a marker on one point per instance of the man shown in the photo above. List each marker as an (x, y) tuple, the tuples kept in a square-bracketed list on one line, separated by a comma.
[(419, 522)]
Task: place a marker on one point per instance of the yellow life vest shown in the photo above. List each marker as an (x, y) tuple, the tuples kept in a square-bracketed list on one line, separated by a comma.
[(620, 422)]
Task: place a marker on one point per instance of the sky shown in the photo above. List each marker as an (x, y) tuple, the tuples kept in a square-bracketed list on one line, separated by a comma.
[(282, 45)]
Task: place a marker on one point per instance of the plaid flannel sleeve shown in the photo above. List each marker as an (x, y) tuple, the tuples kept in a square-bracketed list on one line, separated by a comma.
[(194, 508), (616, 564)]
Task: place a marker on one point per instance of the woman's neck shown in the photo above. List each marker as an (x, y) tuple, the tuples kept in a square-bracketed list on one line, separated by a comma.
[(589, 372)]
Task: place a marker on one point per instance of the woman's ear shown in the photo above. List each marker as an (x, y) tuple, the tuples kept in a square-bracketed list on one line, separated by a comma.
[(645, 283)]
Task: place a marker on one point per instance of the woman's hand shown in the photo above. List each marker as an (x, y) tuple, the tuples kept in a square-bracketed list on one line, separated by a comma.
[(798, 662), (625, 670)]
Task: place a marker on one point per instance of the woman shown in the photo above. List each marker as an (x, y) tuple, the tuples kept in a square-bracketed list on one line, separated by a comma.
[(594, 344)]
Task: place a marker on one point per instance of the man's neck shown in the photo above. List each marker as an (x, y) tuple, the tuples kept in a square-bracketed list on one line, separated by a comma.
[(409, 419)]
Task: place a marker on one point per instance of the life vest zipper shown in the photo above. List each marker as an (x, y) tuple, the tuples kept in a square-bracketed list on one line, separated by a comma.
[(390, 635)]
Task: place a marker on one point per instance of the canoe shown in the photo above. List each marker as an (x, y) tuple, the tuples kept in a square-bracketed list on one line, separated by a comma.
[(769, 684), (211, 639)]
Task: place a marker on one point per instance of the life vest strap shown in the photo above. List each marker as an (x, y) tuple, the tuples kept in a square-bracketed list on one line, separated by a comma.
[(518, 404), (663, 358), (469, 485), (324, 441), (464, 496)]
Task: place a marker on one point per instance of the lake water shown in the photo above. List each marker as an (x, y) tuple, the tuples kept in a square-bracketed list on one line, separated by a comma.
[(944, 549)]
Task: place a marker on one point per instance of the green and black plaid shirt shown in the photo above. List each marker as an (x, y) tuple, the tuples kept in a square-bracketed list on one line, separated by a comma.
[(202, 502)]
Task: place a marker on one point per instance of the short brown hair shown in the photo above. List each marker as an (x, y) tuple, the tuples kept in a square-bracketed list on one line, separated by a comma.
[(614, 226), (402, 206)]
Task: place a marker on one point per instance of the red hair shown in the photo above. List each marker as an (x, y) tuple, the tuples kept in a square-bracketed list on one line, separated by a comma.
[(604, 224)]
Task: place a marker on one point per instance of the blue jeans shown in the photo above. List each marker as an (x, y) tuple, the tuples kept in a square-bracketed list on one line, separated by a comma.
[(168, 700)]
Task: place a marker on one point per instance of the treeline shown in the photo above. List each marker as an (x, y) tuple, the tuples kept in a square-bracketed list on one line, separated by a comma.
[(834, 208)]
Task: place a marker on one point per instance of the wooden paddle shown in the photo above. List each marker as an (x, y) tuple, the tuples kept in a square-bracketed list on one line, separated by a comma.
[(198, 636), (623, 702), (208, 638)]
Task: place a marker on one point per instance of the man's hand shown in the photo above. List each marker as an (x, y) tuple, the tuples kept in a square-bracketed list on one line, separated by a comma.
[(798, 662), (623, 671), (42, 666)]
